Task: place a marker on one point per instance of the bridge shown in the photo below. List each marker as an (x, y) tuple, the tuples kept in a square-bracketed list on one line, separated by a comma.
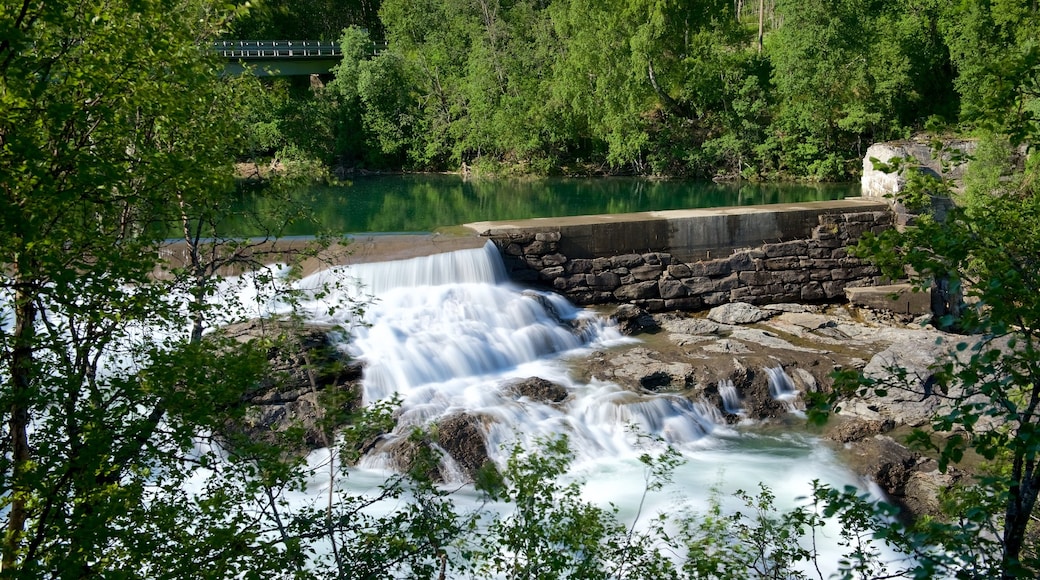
[(281, 57)]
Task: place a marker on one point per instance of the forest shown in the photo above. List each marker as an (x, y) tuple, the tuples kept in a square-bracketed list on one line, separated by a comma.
[(767, 90), (121, 387)]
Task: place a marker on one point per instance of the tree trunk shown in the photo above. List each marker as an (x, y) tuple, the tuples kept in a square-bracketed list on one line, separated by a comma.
[(1021, 500), (761, 23), (22, 363)]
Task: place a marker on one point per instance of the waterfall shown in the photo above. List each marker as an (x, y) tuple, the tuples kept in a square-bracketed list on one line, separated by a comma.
[(730, 398), (450, 335), (782, 388)]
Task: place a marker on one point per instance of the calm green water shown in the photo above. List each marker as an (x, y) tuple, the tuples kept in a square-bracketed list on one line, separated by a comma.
[(426, 203)]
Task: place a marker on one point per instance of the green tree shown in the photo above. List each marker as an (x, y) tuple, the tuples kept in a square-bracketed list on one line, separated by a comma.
[(113, 135), (994, 48)]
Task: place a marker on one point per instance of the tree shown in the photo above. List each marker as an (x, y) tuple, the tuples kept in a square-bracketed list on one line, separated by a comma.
[(111, 137)]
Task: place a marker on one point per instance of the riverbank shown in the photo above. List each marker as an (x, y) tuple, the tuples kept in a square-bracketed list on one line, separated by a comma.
[(746, 348)]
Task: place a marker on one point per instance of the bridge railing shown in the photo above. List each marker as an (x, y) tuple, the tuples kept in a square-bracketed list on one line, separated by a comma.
[(268, 49)]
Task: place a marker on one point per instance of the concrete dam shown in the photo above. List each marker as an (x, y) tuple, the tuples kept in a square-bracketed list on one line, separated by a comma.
[(693, 259)]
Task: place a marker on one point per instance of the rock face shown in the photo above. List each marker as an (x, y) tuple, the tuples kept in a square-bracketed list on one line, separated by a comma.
[(308, 374), (740, 353), (919, 157)]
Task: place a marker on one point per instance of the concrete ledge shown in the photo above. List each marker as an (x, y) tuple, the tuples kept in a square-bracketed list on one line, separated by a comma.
[(898, 298), (693, 234)]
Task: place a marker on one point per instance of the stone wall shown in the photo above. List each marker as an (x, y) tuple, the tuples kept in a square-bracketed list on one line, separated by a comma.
[(815, 267)]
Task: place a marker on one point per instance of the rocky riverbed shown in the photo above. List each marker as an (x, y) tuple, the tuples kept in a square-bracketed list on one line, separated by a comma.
[(753, 364), (740, 345)]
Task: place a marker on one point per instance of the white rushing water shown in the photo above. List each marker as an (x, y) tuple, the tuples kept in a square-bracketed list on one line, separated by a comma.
[(448, 334)]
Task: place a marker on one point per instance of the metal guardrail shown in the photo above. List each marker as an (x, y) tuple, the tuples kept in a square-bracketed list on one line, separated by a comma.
[(276, 49)]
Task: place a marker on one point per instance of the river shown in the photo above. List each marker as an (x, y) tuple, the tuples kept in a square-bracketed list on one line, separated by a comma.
[(428, 203)]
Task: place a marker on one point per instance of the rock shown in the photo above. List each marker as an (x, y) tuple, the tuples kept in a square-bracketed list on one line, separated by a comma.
[(908, 405), (462, 437), (912, 482), (737, 313), (918, 156), (859, 429), (679, 324), (538, 389), (640, 368), (632, 319), (311, 381), (886, 462), (726, 345)]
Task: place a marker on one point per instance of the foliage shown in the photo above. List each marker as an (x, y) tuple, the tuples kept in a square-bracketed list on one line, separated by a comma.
[(115, 134), (985, 250)]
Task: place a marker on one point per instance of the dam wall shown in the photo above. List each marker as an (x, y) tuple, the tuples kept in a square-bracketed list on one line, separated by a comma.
[(693, 259)]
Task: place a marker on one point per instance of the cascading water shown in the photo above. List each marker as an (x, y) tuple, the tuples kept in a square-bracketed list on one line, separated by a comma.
[(448, 334), (730, 398), (782, 388)]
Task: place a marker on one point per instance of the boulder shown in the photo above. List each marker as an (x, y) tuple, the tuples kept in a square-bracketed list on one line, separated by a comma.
[(462, 437), (538, 389), (310, 390), (737, 313), (918, 156), (632, 319)]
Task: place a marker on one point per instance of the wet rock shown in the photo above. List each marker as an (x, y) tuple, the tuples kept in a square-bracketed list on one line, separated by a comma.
[(538, 389), (632, 319), (641, 368), (462, 437), (910, 481)]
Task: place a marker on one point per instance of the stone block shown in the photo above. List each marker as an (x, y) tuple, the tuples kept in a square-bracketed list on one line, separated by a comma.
[(742, 261), (547, 236), (579, 266), (652, 305), (554, 260), (537, 248), (551, 273), (514, 250), (607, 281), (813, 291), (679, 271), (834, 288), (637, 291), (792, 248), (600, 264), (715, 298), (647, 272), (626, 261), (726, 284), (690, 304), (793, 276), (711, 268), (756, 278), (855, 231), (841, 274), (657, 258), (785, 263), (699, 285), (671, 288), (522, 238)]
